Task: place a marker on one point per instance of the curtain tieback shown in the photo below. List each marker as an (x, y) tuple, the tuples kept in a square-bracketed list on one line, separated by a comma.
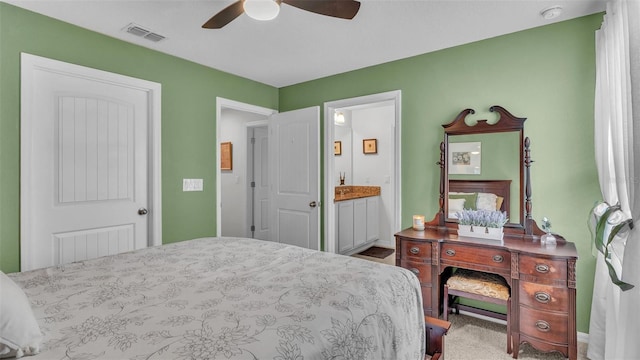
[(601, 215)]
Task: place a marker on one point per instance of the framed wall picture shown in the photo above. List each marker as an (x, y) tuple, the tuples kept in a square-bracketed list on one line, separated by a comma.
[(465, 158), (337, 148), (370, 146), (226, 156)]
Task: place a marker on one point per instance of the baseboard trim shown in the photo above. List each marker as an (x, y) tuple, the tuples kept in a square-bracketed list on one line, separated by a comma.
[(582, 337)]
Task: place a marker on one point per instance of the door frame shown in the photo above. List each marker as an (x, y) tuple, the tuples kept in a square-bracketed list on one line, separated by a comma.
[(329, 163), (29, 64), (222, 103)]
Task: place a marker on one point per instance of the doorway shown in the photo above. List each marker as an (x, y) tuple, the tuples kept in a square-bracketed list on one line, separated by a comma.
[(374, 116), (290, 151), (235, 195)]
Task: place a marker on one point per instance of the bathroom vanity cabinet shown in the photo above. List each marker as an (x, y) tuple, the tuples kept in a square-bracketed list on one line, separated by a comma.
[(357, 218)]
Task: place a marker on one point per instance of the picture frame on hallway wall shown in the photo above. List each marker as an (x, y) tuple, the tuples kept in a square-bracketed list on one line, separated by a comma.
[(226, 156), (370, 146), (337, 148)]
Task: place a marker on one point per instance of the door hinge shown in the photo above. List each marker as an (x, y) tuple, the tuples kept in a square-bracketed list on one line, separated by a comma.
[(253, 184), (253, 140), (253, 228)]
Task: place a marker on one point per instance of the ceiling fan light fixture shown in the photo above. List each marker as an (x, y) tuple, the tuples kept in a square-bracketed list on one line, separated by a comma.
[(262, 10)]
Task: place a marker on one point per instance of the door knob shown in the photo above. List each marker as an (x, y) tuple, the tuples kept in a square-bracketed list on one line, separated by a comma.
[(313, 204), (143, 211)]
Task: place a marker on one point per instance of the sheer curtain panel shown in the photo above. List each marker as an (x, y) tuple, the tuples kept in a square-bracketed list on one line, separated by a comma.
[(615, 317)]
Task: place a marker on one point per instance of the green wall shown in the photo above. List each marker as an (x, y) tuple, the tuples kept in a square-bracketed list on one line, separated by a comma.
[(189, 94), (545, 74)]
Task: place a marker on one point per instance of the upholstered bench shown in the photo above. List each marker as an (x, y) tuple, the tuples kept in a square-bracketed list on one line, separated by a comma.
[(481, 286)]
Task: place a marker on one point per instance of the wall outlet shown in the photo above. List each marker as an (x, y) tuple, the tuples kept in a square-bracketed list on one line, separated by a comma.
[(192, 184)]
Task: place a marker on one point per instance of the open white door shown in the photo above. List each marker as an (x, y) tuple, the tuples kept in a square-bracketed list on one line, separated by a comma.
[(294, 151)]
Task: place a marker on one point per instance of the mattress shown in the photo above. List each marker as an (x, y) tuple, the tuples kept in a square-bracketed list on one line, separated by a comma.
[(226, 298)]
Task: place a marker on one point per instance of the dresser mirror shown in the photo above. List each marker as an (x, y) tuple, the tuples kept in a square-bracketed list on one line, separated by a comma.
[(483, 158), (498, 159)]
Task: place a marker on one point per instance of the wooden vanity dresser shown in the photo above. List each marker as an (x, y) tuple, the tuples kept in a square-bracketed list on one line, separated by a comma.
[(542, 278)]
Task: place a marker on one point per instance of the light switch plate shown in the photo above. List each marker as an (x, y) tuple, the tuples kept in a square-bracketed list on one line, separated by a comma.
[(192, 184)]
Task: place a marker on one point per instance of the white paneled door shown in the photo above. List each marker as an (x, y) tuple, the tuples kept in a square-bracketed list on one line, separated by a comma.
[(294, 148), (85, 167), (261, 179)]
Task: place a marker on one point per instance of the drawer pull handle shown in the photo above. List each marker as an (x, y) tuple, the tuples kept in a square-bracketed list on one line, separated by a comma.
[(498, 258), (450, 252), (542, 268), (414, 250), (543, 326), (542, 297), (415, 271)]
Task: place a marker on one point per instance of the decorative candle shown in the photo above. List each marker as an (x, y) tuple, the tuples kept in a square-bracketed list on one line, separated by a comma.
[(418, 222)]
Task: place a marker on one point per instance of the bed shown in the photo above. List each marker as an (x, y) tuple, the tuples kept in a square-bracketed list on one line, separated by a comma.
[(483, 189), (225, 298)]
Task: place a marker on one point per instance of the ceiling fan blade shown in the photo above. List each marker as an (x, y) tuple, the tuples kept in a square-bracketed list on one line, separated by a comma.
[(345, 9), (225, 16)]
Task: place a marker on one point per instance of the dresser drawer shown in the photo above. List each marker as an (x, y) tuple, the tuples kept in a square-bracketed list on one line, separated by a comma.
[(544, 297), (421, 270), (547, 326), (416, 249), (485, 257), (540, 268)]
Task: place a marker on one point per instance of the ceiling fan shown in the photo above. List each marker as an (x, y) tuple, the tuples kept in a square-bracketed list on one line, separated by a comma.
[(268, 9)]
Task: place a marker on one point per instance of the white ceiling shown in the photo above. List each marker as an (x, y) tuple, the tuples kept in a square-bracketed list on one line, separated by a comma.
[(298, 45)]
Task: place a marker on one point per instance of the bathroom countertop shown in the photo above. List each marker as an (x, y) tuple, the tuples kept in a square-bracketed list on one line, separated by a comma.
[(350, 192)]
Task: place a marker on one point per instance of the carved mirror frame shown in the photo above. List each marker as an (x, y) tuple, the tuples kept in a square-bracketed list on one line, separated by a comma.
[(505, 123)]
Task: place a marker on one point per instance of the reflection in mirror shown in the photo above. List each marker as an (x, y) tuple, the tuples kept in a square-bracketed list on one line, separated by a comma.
[(498, 158), (343, 161)]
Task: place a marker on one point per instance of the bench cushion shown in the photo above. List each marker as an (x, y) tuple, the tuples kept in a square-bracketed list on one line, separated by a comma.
[(480, 283)]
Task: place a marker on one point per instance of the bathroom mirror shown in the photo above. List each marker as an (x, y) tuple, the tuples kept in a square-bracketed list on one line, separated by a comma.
[(343, 161), (484, 157)]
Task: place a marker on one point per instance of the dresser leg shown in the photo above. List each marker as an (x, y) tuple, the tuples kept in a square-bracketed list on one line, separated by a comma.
[(445, 302), (509, 335), (573, 352), (515, 338)]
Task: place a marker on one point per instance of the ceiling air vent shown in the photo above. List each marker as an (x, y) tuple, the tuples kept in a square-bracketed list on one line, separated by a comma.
[(138, 30)]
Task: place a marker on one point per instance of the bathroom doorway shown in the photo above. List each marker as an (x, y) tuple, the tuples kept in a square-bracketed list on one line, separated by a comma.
[(351, 122)]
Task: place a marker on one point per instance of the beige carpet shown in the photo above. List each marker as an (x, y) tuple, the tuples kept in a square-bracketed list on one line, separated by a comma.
[(471, 338)]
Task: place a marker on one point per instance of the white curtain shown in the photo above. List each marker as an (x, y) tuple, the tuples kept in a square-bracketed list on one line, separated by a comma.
[(615, 314)]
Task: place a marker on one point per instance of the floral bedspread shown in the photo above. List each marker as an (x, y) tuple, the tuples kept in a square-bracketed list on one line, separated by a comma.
[(226, 298)]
